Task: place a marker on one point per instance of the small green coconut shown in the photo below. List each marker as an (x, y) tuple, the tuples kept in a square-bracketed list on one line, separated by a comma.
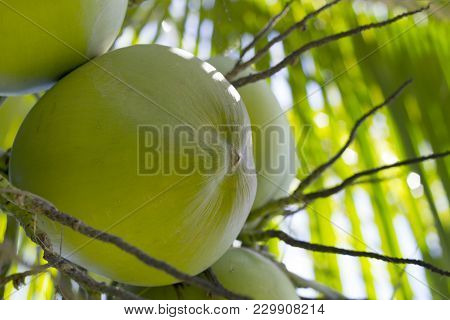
[(241, 271)]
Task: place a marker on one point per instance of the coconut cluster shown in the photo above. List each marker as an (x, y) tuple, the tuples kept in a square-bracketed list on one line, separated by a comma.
[(147, 142)]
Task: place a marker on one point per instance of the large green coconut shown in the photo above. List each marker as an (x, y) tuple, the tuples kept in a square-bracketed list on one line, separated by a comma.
[(81, 147), (42, 40)]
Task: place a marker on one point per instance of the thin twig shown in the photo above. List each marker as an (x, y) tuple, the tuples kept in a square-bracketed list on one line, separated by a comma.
[(264, 235), (308, 197), (272, 208), (269, 26), (18, 279), (292, 57), (320, 169), (376, 180), (38, 206), (258, 55)]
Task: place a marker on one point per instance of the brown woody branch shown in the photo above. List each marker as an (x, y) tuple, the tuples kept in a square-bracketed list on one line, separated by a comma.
[(292, 57), (376, 180), (265, 235), (308, 197), (274, 207)]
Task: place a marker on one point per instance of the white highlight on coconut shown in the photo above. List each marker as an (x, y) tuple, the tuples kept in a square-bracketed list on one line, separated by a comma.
[(182, 53), (232, 90), (218, 77), (207, 67)]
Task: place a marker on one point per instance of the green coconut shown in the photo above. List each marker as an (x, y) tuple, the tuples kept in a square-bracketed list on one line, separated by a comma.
[(273, 142), (43, 40), (81, 148), (241, 271), (12, 113)]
